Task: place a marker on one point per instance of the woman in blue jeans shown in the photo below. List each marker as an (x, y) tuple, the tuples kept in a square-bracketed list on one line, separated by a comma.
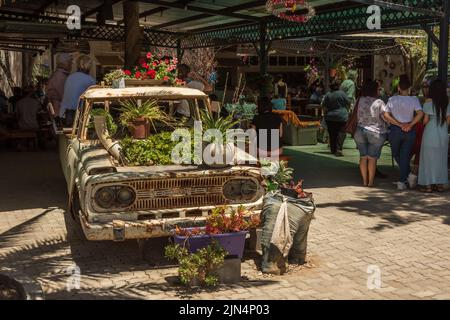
[(403, 112), (371, 131)]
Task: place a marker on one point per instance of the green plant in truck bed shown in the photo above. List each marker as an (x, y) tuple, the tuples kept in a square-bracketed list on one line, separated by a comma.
[(155, 150)]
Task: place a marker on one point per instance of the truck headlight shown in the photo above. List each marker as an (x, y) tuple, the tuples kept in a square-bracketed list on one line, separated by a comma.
[(240, 189), (126, 196), (115, 196)]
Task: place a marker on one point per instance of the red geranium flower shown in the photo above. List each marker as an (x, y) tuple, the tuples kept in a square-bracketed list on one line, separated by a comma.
[(151, 74), (149, 55), (166, 78), (127, 72), (138, 75), (145, 65)]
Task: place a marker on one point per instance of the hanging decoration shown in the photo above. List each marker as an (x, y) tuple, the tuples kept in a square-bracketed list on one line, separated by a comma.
[(311, 72), (287, 10)]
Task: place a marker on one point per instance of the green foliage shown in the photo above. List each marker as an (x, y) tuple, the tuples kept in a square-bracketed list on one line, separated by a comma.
[(201, 266), (113, 75), (415, 53), (219, 222), (148, 110), (245, 110), (277, 174), (110, 124), (219, 123), (39, 73), (155, 150)]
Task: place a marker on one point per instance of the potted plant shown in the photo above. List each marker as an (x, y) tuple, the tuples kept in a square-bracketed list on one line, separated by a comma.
[(199, 268), (221, 152), (139, 115), (110, 124), (153, 70), (114, 78), (276, 173), (229, 230)]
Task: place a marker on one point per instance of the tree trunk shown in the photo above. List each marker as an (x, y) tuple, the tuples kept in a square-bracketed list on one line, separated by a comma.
[(133, 33), (6, 67)]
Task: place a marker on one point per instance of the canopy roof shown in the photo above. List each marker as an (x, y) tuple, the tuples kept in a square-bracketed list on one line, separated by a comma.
[(203, 23), (161, 93)]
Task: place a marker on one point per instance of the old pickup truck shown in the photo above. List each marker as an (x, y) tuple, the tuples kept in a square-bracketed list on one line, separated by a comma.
[(116, 201)]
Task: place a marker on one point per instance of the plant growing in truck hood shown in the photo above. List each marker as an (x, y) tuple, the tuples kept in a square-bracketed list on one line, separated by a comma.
[(137, 109)]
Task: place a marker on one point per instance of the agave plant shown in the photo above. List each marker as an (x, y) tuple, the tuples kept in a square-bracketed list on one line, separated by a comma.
[(223, 124), (148, 110)]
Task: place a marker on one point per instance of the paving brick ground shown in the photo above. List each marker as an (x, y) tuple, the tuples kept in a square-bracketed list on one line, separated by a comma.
[(403, 235)]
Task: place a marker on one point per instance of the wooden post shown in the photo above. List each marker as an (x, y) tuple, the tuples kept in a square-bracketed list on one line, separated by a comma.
[(133, 33), (27, 68)]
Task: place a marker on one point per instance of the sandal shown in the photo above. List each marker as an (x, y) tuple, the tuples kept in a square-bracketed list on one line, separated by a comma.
[(426, 189), (440, 188)]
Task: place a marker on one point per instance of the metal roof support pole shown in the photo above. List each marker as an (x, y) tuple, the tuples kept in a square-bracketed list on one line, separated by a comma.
[(263, 54), (327, 72), (443, 48), (52, 57), (180, 51), (429, 53)]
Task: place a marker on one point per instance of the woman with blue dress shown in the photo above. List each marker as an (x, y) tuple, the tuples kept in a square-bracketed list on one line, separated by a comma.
[(433, 167)]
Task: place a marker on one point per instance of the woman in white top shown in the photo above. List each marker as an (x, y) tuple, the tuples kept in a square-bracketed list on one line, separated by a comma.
[(403, 112), (371, 132)]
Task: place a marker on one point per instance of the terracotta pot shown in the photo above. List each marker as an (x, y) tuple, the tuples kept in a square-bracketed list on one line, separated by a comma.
[(139, 128)]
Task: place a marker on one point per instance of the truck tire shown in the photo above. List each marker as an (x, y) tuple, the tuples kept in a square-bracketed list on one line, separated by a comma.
[(75, 206), (76, 228)]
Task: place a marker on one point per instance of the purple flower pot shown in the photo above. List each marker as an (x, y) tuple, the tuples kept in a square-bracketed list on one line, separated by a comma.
[(233, 243)]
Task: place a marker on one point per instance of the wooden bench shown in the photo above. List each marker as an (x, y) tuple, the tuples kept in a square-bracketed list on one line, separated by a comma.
[(25, 135)]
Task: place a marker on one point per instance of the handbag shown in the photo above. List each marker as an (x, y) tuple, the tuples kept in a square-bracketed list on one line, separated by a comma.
[(352, 123)]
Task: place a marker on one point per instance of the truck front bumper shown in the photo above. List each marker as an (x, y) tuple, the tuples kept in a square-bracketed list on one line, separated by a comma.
[(119, 230)]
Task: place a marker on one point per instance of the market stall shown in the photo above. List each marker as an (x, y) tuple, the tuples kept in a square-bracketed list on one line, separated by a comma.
[(299, 131)]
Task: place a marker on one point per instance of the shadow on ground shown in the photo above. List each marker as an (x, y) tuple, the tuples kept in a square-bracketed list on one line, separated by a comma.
[(396, 209)]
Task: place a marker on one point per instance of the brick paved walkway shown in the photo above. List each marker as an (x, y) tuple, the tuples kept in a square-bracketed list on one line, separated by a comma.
[(406, 235)]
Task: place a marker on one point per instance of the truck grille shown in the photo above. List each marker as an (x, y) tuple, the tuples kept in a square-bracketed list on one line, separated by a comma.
[(181, 192)]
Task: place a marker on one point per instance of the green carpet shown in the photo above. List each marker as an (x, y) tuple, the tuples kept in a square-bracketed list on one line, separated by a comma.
[(319, 168)]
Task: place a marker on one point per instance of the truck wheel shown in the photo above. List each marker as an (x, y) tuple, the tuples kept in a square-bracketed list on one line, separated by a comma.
[(76, 230), (75, 206)]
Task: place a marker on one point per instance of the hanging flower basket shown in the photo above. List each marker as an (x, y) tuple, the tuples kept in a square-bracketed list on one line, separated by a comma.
[(287, 10)]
